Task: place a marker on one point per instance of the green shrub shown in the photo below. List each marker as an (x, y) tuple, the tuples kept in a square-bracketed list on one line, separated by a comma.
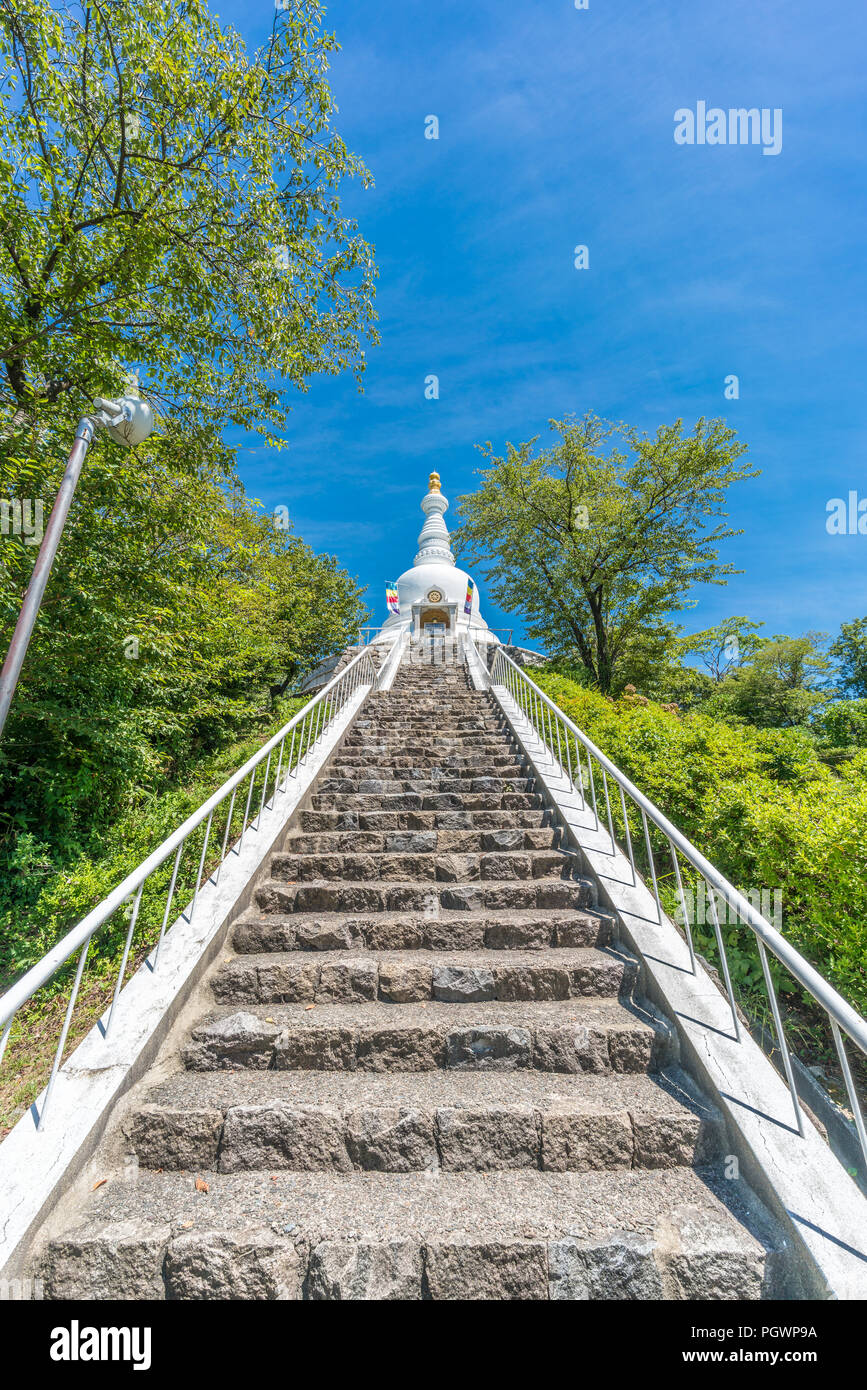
[(45, 889), (764, 809), (844, 724)]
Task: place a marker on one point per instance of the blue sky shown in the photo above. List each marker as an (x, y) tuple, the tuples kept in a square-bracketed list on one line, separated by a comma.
[(556, 129)]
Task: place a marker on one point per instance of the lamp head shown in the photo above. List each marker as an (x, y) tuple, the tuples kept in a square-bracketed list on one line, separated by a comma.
[(129, 421)]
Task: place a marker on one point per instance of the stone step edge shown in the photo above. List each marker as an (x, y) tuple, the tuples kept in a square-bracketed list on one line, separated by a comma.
[(452, 868), (460, 840), (438, 885), (696, 1249), (469, 801), (367, 1137), (419, 895), (259, 932), (551, 857), (242, 1040), (541, 818), (391, 978)]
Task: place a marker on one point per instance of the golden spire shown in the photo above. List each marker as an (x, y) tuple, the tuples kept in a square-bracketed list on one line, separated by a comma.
[(434, 482)]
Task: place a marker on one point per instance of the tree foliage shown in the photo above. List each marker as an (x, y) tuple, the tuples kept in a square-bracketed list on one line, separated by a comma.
[(763, 807), (174, 612), (723, 648), (843, 724), (850, 651), (169, 204), (599, 537), (169, 207), (785, 684)]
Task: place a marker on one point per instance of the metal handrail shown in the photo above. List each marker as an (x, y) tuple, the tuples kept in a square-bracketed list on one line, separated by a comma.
[(308, 727), (548, 720), (475, 665), (386, 674)]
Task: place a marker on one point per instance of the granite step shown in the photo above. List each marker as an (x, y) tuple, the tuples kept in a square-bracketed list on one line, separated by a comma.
[(403, 735), (404, 977), (454, 702), (426, 801), (506, 930), (467, 755), (388, 763), (430, 898), (519, 1235), (443, 714), (507, 770), (472, 746), (419, 841), (445, 783), (394, 1122), (418, 717), (378, 820), (575, 1035), (427, 865)]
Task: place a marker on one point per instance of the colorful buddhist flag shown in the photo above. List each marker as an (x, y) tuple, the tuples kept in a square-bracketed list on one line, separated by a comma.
[(392, 600), (468, 601)]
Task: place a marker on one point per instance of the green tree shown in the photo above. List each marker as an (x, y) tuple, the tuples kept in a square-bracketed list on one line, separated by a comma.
[(850, 652), (723, 648), (314, 609), (177, 612), (844, 724), (765, 809), (785, 685), (599, 537), (649, 661), (168, 203)]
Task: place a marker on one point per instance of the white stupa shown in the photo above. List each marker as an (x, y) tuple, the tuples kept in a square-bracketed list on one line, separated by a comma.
[(432, 595)]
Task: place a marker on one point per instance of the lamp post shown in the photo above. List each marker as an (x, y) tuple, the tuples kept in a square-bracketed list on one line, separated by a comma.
[(128, 421)]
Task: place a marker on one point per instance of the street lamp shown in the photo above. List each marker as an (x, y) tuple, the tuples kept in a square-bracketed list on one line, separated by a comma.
[(129, 421)]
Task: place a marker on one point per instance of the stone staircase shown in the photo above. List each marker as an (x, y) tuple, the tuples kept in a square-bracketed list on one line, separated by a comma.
[(424, 1069)]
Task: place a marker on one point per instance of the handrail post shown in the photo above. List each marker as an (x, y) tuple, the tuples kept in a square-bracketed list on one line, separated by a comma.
[(781, 1038), (126, 950), (686, 922), (58, 1056), (850, 1087), (725, 964), (172, 891), (201, 864)]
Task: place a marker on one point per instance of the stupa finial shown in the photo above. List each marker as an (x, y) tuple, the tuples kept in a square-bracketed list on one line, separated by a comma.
[(433, 543)]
